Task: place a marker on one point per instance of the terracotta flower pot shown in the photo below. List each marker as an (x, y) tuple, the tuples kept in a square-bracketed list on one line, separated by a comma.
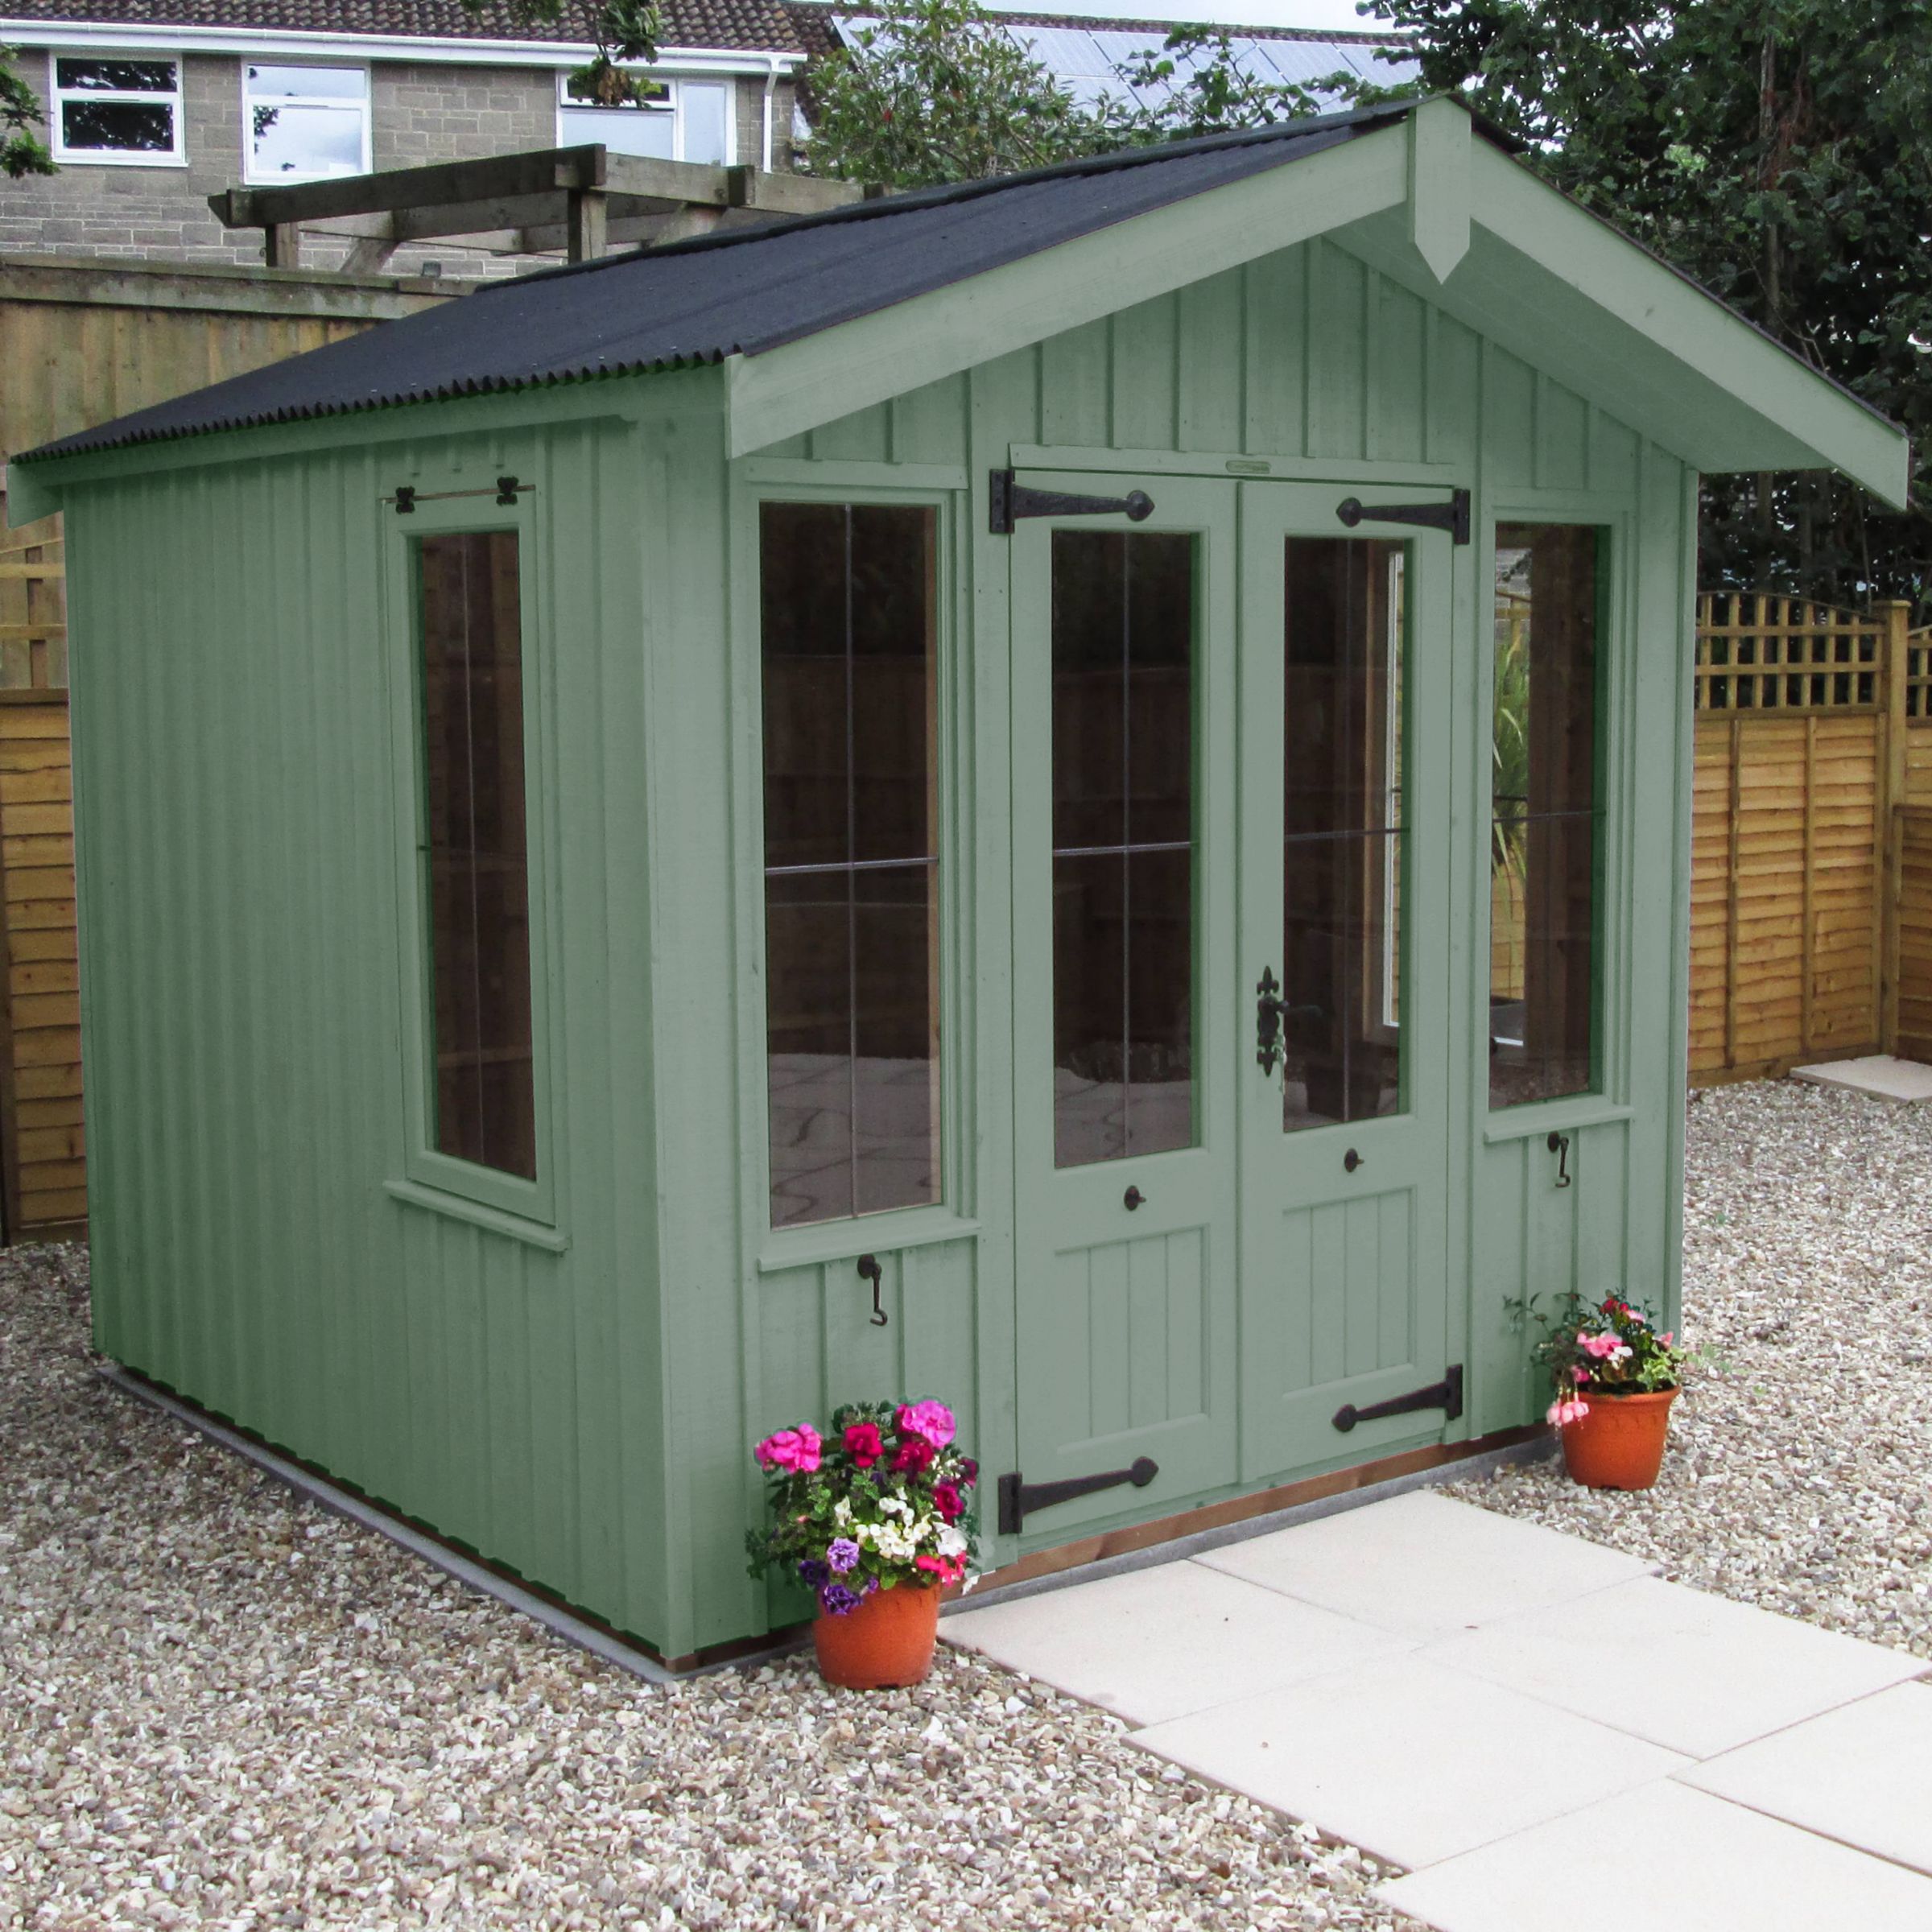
[(887, 1641), (1620, 1444)]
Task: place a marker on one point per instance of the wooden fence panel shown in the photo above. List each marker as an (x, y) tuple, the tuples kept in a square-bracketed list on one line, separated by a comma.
[(1914, 930)]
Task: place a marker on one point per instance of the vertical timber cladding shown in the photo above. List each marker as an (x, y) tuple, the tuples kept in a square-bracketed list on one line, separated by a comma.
[(99, 339), (1304, 357)]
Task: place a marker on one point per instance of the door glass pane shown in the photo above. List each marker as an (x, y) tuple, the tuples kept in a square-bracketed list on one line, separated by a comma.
[(474, 808), (851, 864), (1123, 844), (1545, 813), (1342, 840)]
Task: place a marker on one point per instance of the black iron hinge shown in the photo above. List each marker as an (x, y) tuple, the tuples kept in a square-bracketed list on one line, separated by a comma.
[(1018, 1499), (1452, 516), (1446, 1395), (1011, 500)]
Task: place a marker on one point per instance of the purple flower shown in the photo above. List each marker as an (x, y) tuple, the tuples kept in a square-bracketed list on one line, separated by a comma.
[(812, 1573), (838, 1600), (842, 1554)]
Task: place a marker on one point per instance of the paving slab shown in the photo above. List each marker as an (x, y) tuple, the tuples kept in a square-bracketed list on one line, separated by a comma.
[(1161, 1642), (1665, 1858), (1861, 1774), (1681, 1668), (1426, 1565), (1412, 1762), (1880, 1074)]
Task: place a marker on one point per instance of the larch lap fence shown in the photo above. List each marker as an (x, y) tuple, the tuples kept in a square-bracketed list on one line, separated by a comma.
[(82, 341), (1811, 880)]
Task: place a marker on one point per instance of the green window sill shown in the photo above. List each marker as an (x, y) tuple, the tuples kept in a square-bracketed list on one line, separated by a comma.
[(492, 1220)]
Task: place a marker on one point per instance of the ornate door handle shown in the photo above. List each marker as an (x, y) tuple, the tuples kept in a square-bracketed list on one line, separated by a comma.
[(1269, 1007)]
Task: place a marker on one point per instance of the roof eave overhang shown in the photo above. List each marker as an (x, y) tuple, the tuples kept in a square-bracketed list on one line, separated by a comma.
[(1448, 215)]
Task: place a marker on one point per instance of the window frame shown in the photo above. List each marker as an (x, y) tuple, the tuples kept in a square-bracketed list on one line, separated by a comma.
[(1607, 1095), (674, 84), (951, 1215), (422, 1172), (248, 144), (103, 157)]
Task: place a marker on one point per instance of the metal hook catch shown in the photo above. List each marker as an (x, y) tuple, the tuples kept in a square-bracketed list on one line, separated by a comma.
[(1559, 1145), (870, 1270)]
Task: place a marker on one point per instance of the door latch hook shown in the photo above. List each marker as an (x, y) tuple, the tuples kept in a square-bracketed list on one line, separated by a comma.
[(870, 1270), (1559, 1145)]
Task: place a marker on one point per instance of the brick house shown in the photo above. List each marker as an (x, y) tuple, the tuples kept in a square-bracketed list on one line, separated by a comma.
[(152, 107)]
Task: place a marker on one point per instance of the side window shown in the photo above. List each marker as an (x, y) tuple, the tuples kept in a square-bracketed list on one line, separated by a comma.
[(304, 123), (118, 109), (1546, 819), (475, 851), (670, 120), (849, 655)]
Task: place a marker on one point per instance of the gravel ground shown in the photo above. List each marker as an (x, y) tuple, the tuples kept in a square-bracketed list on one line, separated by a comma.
[(221, 1707), (1797, 1476)]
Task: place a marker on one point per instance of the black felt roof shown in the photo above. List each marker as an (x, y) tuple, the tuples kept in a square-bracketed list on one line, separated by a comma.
[(739, 292)]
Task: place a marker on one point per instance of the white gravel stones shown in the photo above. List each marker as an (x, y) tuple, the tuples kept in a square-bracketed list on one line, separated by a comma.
[(1799, 1472), (222, 1707)]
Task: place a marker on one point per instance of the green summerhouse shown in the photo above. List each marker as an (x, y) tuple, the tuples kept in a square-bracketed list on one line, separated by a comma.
[(1070, 794)]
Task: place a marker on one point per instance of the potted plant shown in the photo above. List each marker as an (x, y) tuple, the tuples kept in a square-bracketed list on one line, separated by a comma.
[(874, 1518), (1616, 1378)]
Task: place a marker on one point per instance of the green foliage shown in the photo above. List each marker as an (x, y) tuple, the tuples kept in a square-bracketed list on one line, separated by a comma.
[(22, 152), (1608, 1347), (624, 31), (1778, 152), (929, 93)]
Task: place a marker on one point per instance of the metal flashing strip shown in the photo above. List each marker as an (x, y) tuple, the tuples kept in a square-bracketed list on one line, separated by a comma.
[(338, 1501), (1180, 1547)]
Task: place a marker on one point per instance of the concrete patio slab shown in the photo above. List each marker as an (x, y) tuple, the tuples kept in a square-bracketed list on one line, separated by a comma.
[(1880, 1074), (1426, 1565), (1725, 1673), (1861, 1774), (1665, 1858), (1412, 1762), (1161, 1642)]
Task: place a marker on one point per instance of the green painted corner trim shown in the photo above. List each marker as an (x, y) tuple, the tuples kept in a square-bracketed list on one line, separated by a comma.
[(869, 1234), (803, 384), (1553, 1117), (492, 1220)]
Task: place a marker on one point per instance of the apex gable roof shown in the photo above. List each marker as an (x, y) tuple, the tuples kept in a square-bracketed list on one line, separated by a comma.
[(818, 316)]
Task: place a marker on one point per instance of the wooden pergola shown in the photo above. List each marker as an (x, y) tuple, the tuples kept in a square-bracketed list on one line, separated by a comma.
[(580, 201)]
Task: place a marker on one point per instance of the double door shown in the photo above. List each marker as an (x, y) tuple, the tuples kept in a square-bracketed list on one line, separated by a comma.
[(1231, 835)]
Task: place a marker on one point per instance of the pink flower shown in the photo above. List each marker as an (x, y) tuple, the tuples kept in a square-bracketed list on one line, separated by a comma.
[(794, 1449), (1580, 1373), (931, 1419), (1669, 1337), (1563, 1413), (1601, 1346), (947, 1569), (863, 1443)]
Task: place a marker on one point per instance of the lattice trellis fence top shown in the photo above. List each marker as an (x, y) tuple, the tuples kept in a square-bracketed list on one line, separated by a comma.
[(1756, 652), (1918, 674)]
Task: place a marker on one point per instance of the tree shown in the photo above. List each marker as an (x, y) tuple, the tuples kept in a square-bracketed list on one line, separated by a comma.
[(929, 93), (625, 33), (22, 152), (1779, 152)]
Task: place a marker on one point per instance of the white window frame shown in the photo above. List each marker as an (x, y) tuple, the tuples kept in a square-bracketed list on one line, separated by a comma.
[(106, 157), (330, 101), (674, 83)]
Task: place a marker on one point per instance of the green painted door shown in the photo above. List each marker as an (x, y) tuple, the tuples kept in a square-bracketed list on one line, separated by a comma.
[(1345, 697), (1216, 777), (1127, 1049)]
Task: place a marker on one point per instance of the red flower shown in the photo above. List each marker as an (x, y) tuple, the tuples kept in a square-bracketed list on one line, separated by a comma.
[(952, 1505), (863, 1445), (915, 1453)]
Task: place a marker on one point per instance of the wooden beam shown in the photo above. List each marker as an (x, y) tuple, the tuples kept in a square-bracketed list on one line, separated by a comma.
[(1439, 138), (584, 221), (281, 245), (774, 193)]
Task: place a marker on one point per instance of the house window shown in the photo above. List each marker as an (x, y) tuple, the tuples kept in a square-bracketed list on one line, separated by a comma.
[(852, 872), (118, 109), (677, 121), (1545, 825), (304, 123), (476, 851)]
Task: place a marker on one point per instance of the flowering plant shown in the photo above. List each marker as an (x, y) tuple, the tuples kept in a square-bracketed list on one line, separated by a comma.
[(1613, 1348), (882, 1499)]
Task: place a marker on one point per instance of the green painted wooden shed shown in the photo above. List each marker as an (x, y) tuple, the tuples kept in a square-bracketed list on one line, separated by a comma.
[(1070, 795)]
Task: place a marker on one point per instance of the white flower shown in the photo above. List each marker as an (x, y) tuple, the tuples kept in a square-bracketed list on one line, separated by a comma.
[(894, 1506), (841, 1513), (952, 1542)]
